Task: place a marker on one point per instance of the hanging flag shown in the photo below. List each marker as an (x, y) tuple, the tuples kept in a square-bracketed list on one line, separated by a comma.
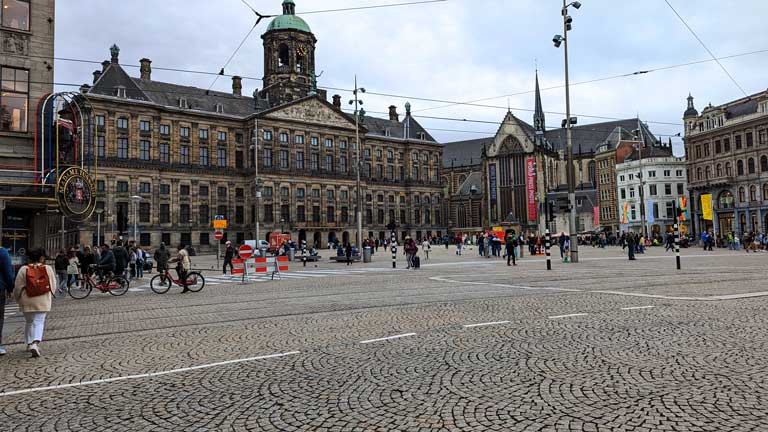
[(625, 213), (682, 204), (649, 210), (596, 220), (706, 206)]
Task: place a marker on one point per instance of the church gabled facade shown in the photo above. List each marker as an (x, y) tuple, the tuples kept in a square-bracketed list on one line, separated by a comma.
[(523, 167)]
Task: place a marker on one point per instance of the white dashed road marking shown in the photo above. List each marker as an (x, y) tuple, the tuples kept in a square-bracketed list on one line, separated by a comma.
[(485, 324), (146, 375), (637, 307), (388, 338), (567, 316)]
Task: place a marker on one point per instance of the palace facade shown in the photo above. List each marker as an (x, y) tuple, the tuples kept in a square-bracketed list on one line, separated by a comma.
[(171, 158)]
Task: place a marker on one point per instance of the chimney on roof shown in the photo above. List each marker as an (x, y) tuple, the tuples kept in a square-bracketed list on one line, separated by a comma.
[(393, 114), (146, 69), (96, 75), (104, 65), (337, 102), (237, 85)]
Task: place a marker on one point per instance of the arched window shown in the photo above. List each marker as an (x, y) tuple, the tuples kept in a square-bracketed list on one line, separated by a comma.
[(765, 192), (753, 193), (764, 164), (591, 171), (728, 170), (708, 172), (751, 165), (698, 173), (719, 170), (725, 199), (283, 55), (740, 167), (742, 195)]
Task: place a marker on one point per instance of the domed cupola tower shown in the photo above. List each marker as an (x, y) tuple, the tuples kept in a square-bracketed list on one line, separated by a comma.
[(289, 58)]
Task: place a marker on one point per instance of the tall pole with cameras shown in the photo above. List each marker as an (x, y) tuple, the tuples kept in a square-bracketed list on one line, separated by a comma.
[(358, 214), (558, 39)]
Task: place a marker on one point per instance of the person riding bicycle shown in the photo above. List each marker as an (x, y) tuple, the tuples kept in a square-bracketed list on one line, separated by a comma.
[(106, 263), (183, 266)]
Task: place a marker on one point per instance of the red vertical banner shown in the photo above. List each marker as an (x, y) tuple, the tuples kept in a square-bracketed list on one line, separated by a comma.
[(596, 221), (530, 187)]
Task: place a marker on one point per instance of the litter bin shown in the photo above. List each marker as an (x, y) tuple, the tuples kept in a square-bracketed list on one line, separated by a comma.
[(262, 252), (367, 254), (291, 254)]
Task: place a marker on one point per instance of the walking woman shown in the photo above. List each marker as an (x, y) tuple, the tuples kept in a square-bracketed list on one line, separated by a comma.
[(73, 269), (34, 285)]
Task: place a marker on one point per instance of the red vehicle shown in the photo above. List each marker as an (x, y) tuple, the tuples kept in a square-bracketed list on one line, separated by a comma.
[(115, 285), (276, 240), (161, 283)]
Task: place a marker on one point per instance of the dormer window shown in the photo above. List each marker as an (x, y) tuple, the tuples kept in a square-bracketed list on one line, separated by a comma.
[(220, 108), (421, 135), (763, 107), (183, 103), (120, 92), (387, 132)]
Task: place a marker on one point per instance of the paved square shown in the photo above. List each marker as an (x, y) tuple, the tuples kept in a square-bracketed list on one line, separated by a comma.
[(465, 343)]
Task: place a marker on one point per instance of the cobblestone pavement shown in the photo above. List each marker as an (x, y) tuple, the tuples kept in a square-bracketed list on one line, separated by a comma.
[(464, 344)]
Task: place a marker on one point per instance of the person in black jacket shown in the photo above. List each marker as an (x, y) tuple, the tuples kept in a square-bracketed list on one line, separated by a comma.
[(106, 263), (60, 264), (121, 258), (161, 260), (511, 244), (229, 254)]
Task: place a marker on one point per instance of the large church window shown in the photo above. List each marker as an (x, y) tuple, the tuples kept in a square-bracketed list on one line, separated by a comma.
[(283, 55)]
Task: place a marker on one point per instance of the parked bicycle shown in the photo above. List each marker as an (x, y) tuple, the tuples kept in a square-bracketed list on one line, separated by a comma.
[(163, 282), (113, 284)]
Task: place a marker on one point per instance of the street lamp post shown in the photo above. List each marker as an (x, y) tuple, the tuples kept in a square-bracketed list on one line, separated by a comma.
[(558, 39), (98, 226), (255, 148), (136, 200), (356, 101)]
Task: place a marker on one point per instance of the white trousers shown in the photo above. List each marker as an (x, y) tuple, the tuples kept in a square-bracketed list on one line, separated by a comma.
[(35, 324)]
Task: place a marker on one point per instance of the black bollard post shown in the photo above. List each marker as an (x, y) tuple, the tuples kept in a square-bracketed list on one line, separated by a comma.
[(677, 245), (394, 249), (547, 245)]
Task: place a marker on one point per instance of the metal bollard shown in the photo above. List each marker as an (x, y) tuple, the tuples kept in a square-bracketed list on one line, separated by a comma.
[(394, 250), (547, 245), (677, 246), (304, 252)]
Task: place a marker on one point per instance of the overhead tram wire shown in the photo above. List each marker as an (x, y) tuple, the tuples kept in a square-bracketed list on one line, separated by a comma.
[(706, 48), (261, 17), (612, 77)]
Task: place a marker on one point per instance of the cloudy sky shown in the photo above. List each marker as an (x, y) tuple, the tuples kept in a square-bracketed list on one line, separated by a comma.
[(457, 50)]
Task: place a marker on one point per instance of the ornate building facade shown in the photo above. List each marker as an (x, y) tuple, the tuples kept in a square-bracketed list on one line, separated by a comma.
[(726, 149), (26, 75), (171, 157)]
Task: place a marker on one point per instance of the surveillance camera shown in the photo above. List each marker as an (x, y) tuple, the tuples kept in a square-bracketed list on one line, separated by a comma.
[(576, 4)]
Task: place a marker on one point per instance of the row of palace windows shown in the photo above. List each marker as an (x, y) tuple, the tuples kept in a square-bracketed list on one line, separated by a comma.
[(706, 173), (145, 128), (203, 191), (332, 214), (724, 145)]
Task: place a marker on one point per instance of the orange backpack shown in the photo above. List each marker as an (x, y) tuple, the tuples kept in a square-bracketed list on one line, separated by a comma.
[(37, 281)]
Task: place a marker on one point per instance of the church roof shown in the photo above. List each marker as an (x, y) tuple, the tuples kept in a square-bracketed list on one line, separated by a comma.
[(462, 153), (587, 138)]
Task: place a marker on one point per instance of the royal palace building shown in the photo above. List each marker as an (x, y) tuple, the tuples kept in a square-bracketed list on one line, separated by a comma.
[(726, 149), (171, 158)]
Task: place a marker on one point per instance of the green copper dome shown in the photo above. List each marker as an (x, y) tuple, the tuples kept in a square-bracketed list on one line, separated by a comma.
[(288, 20)]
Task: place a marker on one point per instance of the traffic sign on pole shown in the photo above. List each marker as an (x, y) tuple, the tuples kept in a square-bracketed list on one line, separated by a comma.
[(245, 252), (218, 235)]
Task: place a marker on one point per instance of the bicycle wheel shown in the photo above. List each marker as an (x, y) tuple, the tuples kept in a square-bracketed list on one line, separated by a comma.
[(195, 281), (118, 286), (81, 292), (158, 286)]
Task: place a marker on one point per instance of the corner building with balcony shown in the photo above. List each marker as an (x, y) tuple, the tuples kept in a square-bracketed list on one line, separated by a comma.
[(726, 149), (172, 157)]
